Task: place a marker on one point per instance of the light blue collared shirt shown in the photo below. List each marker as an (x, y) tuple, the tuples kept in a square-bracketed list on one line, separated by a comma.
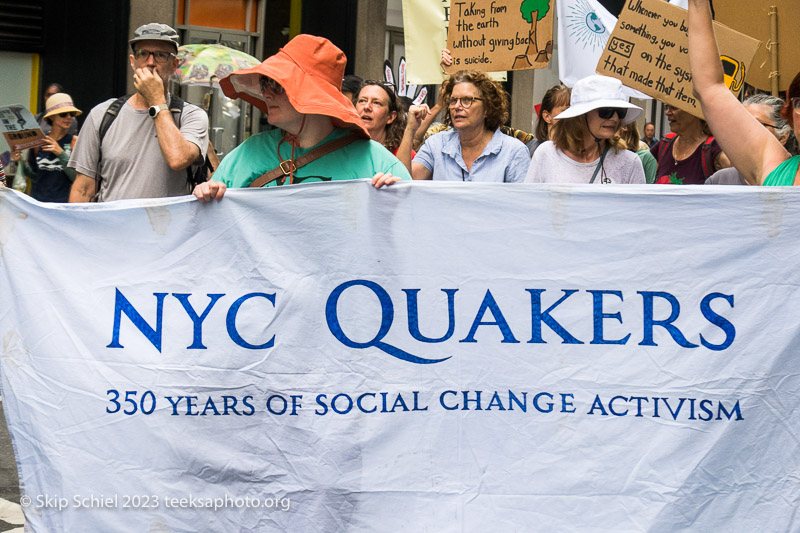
[(505, 159)]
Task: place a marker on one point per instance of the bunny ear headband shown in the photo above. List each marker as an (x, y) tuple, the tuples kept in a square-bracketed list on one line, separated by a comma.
[(401, 88)]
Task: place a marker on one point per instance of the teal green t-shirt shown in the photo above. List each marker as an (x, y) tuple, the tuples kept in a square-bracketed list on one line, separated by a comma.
[(783, 174), (649, 163), (259, 154)]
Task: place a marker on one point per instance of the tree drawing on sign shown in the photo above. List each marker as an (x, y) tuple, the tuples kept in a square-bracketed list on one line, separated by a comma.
[(533, 11)]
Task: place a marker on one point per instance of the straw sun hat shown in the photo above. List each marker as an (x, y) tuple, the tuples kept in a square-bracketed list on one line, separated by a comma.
[(60, 103)]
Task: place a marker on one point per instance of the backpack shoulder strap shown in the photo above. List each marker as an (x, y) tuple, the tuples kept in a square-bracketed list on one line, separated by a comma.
[(665, 144), (176, 108), (708, 159), (110, 116), (201, 174)]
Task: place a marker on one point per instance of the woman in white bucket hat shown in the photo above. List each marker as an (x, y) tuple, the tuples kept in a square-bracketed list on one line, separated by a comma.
[(585, 145)]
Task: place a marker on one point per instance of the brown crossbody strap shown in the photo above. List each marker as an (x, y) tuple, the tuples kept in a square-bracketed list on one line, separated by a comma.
[(283, 170)]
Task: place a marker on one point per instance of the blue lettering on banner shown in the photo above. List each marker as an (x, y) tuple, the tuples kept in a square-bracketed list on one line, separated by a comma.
[(154, 334), (538, 317), (599, 316), (122, 305), (489, 304), (722, 323), (153, 328), (650, 322), (343, 403), (197, 321), (413, 315), (480, 402), (230, 322), (387, 317)]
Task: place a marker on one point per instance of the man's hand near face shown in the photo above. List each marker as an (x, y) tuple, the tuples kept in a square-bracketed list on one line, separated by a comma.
[(150, 85)]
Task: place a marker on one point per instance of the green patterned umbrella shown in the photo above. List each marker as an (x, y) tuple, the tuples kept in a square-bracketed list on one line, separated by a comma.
[(206, 64)]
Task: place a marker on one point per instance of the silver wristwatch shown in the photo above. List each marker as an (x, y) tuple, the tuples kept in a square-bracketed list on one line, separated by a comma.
[(156, 109)]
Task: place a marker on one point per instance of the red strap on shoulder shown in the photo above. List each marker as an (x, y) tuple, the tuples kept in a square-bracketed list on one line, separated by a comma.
[(665, 143), (707, 160)]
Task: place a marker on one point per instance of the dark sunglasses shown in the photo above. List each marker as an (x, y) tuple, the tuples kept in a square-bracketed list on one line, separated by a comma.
[(67, 114), (272, 85), (607, 112)]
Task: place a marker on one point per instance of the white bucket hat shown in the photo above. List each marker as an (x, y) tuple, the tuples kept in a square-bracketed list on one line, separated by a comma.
[(594, 92)]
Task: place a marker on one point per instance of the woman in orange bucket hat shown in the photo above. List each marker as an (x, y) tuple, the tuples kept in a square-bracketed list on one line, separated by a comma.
[(299, 90)]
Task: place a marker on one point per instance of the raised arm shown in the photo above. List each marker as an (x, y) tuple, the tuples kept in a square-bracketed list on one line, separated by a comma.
[(753, 150), (178, 152), (416, 114)]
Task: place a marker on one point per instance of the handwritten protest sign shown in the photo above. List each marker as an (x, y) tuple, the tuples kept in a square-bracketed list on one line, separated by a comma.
[(425, 23), (19, 127), (491, 35), (649, 51)]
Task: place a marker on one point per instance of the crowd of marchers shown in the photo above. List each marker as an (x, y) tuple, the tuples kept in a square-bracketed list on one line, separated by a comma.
[(325, 126)]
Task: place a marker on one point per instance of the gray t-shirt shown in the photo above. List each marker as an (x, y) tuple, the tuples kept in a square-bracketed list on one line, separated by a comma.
[(726, 176), (132, 165), (551, 165)]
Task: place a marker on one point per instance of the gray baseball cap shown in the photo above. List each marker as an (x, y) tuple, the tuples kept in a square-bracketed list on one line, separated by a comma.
[(155, 32)]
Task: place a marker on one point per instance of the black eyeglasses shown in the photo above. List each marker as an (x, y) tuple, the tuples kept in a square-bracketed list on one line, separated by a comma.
[(607, 112), (161, 57), (465, 101), (270, 84), (773, 126), (67, 114)]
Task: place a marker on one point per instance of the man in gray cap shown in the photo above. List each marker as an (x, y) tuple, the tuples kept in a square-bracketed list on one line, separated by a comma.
[(140, 146)]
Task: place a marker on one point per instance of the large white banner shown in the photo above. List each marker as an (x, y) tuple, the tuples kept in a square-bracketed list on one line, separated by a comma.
[(429, 357)]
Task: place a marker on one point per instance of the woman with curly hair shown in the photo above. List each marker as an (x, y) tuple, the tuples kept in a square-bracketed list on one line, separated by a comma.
[(585, 146), (475, 149)]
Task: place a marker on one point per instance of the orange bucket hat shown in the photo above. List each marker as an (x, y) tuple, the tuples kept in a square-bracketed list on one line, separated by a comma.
[(310, 69)]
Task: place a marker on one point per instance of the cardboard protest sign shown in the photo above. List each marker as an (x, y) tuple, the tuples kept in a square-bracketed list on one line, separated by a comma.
[(648, 50), (20, 128), (425, 31), (500, 34), (754, 19)]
